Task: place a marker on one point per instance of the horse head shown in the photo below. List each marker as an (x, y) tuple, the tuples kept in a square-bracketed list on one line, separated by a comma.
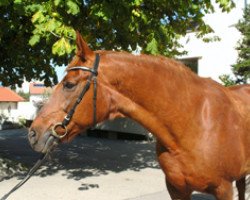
[(77, 102)]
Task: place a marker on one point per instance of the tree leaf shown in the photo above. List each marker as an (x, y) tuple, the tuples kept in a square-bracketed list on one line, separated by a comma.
[(52, 25), (34, 40), (73, 8), (4, 2), (38, 17), (57, 2), (61, 47), (152, 47)]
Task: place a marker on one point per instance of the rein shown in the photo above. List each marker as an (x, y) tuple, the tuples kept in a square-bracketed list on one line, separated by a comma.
[(68, 117), (38, 163)]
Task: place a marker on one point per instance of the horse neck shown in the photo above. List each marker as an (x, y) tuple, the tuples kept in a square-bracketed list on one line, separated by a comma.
[(151, 90), (151, 82)]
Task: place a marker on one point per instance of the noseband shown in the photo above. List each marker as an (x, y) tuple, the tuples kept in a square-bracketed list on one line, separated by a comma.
[(68, 117)]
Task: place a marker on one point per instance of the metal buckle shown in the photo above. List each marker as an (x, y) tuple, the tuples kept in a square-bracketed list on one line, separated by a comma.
[(54, 133)]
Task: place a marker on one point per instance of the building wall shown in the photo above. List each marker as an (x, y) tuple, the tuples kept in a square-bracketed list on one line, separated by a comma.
[(216, 58), (6, 108), (26, 110), (36, 97), (14, 111)]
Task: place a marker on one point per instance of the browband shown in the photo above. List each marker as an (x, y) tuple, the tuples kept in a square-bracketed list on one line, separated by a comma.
[(84, 68), (93, 70)]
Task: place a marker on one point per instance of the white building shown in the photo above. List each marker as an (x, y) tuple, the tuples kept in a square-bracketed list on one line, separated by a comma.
[(215, 58), (38, 91), (9, 101), (14, 108)]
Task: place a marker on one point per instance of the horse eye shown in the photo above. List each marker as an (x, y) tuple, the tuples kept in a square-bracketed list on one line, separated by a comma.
[(69, 85)]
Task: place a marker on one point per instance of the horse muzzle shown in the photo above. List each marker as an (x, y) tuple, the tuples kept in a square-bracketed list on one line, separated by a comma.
[(43, 143)]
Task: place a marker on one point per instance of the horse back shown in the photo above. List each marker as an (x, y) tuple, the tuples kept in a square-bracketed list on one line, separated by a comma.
[(243, 91), (241, 94)]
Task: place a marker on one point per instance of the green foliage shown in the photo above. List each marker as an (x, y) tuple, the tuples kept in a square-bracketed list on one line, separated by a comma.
[(61, 47), (227, 80), (225, 5), (37, 35), (26, 96), (22, 122), (152, 47), (241, 69)]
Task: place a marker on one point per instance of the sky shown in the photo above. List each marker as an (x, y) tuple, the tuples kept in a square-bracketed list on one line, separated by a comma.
[(60, 71)]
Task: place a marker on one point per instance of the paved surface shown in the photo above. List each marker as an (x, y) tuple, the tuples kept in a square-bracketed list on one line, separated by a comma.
[(164, 196), (87, 168)]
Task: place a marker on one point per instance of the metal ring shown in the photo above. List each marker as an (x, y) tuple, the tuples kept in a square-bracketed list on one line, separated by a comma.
[(54, 133)]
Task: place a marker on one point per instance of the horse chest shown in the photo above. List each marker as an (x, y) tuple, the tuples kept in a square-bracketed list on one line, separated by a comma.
[(184, 171), (175, 167)]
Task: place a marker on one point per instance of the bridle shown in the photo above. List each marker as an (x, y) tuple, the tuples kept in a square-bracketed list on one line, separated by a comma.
[(68, 117)]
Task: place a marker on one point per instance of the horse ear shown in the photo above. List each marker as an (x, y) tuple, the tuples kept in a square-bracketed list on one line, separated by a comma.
[(83, 50)]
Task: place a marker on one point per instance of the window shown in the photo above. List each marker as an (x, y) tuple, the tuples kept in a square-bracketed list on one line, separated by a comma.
[(192, 63)]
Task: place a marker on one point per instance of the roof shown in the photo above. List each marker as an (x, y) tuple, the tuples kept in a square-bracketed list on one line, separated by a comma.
[(7, 95), (38, 88)]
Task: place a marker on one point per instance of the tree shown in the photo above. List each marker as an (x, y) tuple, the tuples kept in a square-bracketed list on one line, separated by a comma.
[(241, 70), (37, 35), (23, 94)]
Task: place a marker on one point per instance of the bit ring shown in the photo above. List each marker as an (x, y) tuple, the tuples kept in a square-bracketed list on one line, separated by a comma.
[(54, 133)]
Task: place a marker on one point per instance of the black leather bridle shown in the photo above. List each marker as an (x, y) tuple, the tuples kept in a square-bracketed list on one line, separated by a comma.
[(66, 120), (68, 117)]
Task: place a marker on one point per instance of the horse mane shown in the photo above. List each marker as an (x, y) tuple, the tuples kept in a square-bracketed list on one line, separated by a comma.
[(174, 67)]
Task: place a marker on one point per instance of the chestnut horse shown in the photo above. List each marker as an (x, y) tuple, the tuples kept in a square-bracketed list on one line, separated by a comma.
[(202, 128)]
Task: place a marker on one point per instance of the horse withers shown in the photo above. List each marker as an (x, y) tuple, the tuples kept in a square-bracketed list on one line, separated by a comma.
[(202, 128)]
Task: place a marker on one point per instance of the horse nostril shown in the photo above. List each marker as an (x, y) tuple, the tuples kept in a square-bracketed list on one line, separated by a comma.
[(32, 136)]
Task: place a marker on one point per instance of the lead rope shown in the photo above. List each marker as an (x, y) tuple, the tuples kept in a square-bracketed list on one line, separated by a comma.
[(40, 161)]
